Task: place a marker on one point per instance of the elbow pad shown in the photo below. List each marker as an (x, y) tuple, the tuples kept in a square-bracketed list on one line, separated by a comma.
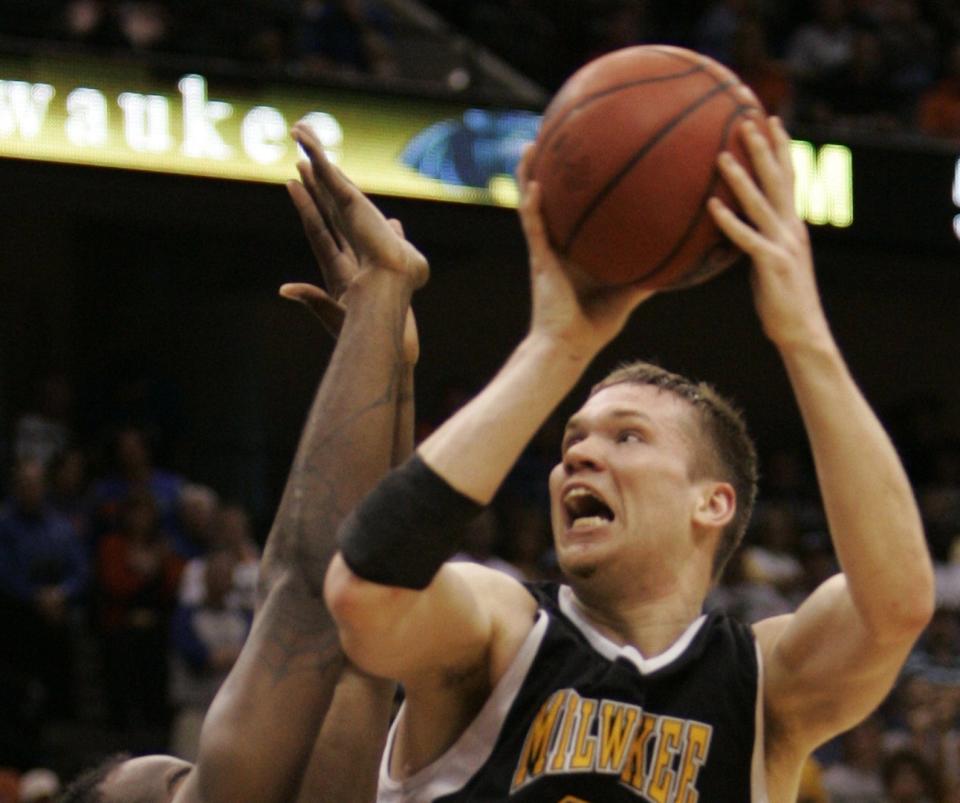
[(406, 528)]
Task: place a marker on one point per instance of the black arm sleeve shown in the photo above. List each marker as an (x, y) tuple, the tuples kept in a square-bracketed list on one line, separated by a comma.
[(406, 528)]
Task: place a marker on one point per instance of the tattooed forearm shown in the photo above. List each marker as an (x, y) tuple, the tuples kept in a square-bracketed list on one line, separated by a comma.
[(349, 437), (295, 633)]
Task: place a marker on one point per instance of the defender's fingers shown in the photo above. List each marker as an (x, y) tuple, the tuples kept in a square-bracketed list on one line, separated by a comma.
[(326, 248), (324, 203), (330, 312), (327, 173)]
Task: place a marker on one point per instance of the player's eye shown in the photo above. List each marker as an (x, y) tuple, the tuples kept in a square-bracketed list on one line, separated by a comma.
[(629, 436)]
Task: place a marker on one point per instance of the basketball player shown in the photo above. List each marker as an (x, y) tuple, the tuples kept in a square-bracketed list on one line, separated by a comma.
[(615, 687), (294, 720)]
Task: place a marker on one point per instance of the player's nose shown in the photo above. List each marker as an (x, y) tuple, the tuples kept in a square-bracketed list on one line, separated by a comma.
[(584, 455)]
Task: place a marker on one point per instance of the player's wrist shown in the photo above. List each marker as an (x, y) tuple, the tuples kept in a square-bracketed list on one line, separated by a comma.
[(566, 350)]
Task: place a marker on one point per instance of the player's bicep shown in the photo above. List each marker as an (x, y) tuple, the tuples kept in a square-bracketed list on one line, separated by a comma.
[(402, 633), (824, 671)]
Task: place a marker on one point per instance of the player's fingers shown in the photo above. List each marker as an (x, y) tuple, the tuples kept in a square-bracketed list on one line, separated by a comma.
[(531, 219), (326, 247), (307, 178), (527, 154), (397, 226), (765, 163), (746, 237), (330, 312), (328, 175), (755, 204), (781, 145), (325, 204)]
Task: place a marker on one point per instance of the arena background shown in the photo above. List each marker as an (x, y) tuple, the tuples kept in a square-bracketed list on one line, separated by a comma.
[(167, 283)]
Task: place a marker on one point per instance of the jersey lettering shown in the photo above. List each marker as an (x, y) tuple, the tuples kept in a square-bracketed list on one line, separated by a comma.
[(657, 757)]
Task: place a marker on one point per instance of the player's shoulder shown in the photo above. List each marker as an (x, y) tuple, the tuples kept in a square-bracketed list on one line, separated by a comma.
[(492, 584)]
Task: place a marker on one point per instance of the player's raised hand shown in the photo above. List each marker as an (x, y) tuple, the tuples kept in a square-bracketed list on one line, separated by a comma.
[(336, 257), (784, 286), (352, 216), (564, 305)]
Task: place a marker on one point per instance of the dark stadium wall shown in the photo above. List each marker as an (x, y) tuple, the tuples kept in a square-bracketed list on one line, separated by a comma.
[(114, 276)]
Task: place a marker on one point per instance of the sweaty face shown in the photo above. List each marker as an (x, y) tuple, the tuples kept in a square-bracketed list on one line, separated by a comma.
[(623, 492), (151, 779)]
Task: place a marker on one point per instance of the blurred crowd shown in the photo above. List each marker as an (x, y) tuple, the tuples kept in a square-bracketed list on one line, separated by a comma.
[(880, 65), (127, 590), (888, 65)]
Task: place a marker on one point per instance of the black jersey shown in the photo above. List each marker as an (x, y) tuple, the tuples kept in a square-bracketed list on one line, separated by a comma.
[(578, 719)]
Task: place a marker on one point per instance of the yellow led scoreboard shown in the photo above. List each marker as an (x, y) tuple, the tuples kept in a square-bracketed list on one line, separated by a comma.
[(103, 113)]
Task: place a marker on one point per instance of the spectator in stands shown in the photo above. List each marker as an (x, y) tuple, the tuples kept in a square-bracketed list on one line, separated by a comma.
[(93, 23), (134, 471), (231, 534), (139, 574), (816, 52), (767, 77), (44, 432), (743, 595), (862, 94), (345, 36), (939, 107), (909, 778), (145, 24), (910, 45), (520, 34), (937, 654), (716, 29), (771, 553), (206, 639), (39, 785), (69, 490), (9, 785), (857, 777), (480, 542), (43, 574), (196, 517), (622, 24)]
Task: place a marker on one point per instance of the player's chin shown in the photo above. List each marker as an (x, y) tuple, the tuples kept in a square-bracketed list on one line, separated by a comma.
[(582, 559)]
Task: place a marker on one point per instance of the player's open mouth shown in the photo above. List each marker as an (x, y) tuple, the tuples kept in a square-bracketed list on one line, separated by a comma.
[(585, 509)]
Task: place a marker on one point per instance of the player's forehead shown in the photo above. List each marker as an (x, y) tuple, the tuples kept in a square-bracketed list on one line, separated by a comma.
[(626, 401), (148, 779)]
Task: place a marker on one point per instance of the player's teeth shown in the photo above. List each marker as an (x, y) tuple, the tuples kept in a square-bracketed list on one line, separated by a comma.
[(589, 521)]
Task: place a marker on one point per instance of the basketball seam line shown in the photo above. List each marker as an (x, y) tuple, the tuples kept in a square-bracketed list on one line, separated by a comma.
[(554, 125), (701, 208), (614, 180)]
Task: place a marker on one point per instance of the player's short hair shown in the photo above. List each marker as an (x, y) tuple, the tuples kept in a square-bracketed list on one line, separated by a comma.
[(85, 788), (727, 452)]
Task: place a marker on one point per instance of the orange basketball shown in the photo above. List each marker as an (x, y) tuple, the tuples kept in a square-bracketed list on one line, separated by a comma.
[(626, 156)]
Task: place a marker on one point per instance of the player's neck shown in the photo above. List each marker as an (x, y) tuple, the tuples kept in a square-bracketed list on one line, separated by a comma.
[(650, 624)]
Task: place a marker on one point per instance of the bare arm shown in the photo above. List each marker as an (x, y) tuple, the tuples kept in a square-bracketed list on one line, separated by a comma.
[(257, 738), (832, 662), (473, 452)]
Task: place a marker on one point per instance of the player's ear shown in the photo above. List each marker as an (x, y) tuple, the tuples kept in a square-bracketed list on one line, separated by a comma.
[(716, 505)]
